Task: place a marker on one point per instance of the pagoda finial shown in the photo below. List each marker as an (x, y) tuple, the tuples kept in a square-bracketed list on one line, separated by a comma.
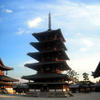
[(49, 21)]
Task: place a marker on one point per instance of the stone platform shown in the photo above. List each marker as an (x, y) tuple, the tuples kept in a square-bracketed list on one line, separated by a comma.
[(49, 94)]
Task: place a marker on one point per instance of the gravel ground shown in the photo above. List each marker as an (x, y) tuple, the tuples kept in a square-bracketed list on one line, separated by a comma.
[(77, 96)]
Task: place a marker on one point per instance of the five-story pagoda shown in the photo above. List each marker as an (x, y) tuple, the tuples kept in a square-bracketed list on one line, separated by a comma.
[(51, 62)]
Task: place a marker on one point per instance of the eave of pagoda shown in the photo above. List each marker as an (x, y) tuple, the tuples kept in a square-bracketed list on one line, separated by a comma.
[(46, 76), (61, 65), (40, 36), (51, 44), (97, 71), (3, 67), (59, 54), (7, 79)]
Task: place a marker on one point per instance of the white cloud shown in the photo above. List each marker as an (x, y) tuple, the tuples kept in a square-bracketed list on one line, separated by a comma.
[(83, 43), (35, 22), (26, 62), (88, 42), (84, 49), (24, 31), (20, 31), (87, 45), (8, 10)]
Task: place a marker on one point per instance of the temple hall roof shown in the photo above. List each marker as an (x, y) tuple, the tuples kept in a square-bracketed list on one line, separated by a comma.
[(97, 71)]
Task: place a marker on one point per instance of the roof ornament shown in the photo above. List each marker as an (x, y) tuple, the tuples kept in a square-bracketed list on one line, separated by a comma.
[(49, 21)]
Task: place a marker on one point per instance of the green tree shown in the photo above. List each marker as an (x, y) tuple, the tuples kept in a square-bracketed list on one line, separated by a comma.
[(73, 75), (85, 76)]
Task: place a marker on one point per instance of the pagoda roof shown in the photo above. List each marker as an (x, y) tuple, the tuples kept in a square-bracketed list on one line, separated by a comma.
[(40, 36), (51, 43), (97, 71), (46, 76), (7, 79), (61, 53), (62, 65), (3, 67)]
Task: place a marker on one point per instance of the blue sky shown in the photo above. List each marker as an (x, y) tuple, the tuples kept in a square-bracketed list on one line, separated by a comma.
[(79, 21)]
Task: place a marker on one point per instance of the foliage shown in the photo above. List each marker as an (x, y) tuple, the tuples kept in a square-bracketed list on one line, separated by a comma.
[(85, 76), (73, 75)]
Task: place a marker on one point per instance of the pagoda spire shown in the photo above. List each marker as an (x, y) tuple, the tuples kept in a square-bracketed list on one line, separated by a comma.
[(49, 21)]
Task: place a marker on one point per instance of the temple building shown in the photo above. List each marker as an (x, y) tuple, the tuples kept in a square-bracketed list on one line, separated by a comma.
[(6, 82), (96, 73), (51, 57)]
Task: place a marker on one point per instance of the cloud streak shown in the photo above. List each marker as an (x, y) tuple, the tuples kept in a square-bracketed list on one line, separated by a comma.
[(8, 11), (20, 31), (27, 62), (87, 44)]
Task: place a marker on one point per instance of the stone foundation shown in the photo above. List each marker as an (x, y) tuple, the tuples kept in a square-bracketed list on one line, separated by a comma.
[(49, 94)]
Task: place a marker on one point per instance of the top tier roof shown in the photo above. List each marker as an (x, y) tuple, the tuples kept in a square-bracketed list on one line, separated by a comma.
[(97, 71), (3, 67), (49, 33)]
